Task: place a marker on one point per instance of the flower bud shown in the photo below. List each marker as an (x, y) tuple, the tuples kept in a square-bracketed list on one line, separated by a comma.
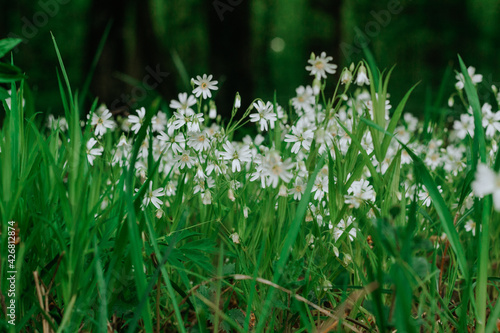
[(237, 101)]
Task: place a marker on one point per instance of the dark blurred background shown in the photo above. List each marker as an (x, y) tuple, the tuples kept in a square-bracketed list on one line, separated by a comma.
[(251, 46)]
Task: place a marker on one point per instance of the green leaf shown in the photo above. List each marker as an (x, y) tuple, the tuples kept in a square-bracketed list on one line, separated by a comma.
[(471, 92), (4, 94), (10, 73), (8, 44)]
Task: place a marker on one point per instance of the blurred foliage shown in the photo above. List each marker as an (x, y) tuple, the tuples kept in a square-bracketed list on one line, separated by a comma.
[(270, 54)]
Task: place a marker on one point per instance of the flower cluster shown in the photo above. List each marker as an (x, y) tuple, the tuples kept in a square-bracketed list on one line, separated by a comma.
[(190, 146)]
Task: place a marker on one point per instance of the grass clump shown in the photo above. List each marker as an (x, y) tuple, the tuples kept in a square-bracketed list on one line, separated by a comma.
[(341, 212)]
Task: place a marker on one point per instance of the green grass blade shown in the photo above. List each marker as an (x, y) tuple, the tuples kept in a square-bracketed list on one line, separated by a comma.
[(394, 120), (88, 80), (8, 44), (63, 69), (181, 69)]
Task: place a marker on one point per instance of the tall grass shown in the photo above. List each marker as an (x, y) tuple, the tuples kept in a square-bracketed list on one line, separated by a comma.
[(92, 256)]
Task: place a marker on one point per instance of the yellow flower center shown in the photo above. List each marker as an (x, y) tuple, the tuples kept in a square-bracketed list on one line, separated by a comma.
[(319, 65)]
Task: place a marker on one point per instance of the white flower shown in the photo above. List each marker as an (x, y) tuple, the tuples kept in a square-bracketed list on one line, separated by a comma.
[(182, 117), (198, 141), (271, 168), (204, 85), (236, 155), (320, 65), (171, 188), (304, 100), (237, 101), (176, 143), (453, 160), (93, 152), (433, 159), (341, 227), (362, 78), (388, 106), (451, 102), (310, 240), (102, 122), (246, 210), (470, 226), (411, 122), (359, 192), (346, 77), (202, 184), (367, 142), (8, 101), (60, 123), (298, 188), (152, 196), (235, 238), (206, 198), (320, 187), (184, 159), (402, 134), (425, 196), (159, 121), (137, 120), (194, 122), (302, 138), (184, 103), (141, 168), (264, 115), (487, 182), (283, 191), (476, 78), (276, 169), (212, 113), (122, 151), (464, 126), (491, 122)]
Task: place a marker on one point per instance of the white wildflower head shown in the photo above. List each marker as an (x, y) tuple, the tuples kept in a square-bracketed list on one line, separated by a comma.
[(236, 155), (470, 226), (93, 152), (152, 196), (320, 65), (204, 85), (359, 192), (138, 120), (265, 115), (184, 103), (487, 182), (235, 238), (102, 122), (475, 78), (362, 78)]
